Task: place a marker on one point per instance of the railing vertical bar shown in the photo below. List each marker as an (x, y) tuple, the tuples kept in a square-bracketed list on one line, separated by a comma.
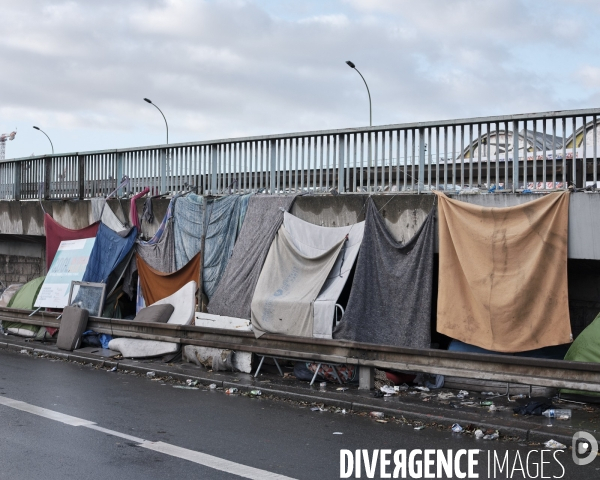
[(479, 149), (554, 137), (437, 154), (429, 149), (471, 159), (584, 161), (534, 154), (488, 175), (574, 154), (412, 159), (544, 156), (595, 150)]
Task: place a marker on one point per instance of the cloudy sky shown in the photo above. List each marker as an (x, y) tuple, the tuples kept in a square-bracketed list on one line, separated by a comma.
[(227, 68)]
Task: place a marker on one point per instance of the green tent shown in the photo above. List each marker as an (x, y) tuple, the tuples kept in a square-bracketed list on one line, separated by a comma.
[(586, 348), (24, 299)]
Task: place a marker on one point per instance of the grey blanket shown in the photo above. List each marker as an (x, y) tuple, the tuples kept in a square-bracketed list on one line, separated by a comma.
[(390, 300), (233, 295)]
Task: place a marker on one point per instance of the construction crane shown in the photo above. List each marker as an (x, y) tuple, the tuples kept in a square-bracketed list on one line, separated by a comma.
[(3, 138)]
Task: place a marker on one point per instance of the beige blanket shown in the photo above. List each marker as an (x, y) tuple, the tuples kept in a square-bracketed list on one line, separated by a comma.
[(503, 273)]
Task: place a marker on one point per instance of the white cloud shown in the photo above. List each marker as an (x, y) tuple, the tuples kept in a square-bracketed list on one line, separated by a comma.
[(225, 68)]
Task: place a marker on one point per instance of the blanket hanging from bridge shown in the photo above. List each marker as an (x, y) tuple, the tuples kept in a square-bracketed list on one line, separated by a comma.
[(311, 240), (158, 285), (134, 218), (56, 233), (225, 217), (390, 300), (503, 273), (223, 220), (110, 219), (109, 250), (233, 295), (290, 282)]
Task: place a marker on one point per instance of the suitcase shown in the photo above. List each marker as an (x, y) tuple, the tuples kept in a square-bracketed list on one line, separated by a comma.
[(72, 325)]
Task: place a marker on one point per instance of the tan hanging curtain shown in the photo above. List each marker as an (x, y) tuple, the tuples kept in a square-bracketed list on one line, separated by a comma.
[(157, 285), (503, 273)]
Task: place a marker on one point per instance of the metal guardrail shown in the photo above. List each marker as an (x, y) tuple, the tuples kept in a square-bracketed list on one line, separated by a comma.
[(538, 151), (526, 371)]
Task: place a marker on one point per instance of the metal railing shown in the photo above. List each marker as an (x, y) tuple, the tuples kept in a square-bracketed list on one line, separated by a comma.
[(537, 152)]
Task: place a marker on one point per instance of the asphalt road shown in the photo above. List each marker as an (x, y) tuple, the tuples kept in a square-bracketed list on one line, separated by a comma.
[(204, 434)]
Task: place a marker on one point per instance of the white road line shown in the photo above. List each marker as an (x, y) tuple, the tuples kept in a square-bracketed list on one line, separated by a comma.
[(44, 412), (116, 434), (213, 462), (165, 448)]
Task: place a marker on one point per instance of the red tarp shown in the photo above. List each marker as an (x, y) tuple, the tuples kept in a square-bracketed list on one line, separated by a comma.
[(56, 233)]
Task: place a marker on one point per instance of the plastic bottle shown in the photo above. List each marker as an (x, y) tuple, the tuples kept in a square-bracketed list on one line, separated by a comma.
[(560, 413)]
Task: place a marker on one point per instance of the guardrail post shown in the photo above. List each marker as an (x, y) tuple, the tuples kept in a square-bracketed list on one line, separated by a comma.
[(47, 176), (81, 175), (421, 179), (213, 170), (272, 166), (341, 164), (366, 378), (163, 171), (17, 180)]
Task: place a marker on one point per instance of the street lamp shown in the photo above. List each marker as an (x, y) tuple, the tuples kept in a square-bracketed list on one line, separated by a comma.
[(351, 65), (150, 102), (38, 128)]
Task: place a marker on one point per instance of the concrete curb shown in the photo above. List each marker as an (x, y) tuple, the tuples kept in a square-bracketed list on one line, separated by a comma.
[(411, 413)]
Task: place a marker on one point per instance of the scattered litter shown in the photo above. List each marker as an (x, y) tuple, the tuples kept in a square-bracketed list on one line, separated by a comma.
[(380, 394), (388, 390), (151, 374), (377, 414), (445, 395), (255, 393), (490, 394), (463, 394), (231, 391), (113, 369), (493, 408), (212, 386), (323, 386), (184, 387), (381, 421), (24, 351), (421, 427), (554, 444), (493, 436), (456, 428), (337, 433), (344, 411), (454, 405), (422, 389), (412, 393), (191, 383), (342, 389), (486, 403), (558, 413), (402, 388), (478, 434), (315, 409), (516, 397)]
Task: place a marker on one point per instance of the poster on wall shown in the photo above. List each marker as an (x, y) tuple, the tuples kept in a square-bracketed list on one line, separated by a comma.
[(68, 265)]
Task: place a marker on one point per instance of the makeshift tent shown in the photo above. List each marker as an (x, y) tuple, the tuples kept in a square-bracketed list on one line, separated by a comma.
[(503, 273), (24, 299), (133, 213), (290, 282), (158, 285), (8, 293), (56, 233), (233, 295), (390, 300), (225, 217), (187, 227), (108, 252), (585, 348), (311, 240), (184, 301), (109, 219)]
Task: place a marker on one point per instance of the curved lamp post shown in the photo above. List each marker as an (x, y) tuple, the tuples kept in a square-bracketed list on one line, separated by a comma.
[(147, 100), (38, 128), (351, 65)]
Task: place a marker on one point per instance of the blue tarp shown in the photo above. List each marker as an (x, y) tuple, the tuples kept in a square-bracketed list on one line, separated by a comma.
[(109, 250), (224, 218)]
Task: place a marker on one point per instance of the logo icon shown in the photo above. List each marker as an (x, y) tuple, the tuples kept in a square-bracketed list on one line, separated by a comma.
[(585, 444)]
